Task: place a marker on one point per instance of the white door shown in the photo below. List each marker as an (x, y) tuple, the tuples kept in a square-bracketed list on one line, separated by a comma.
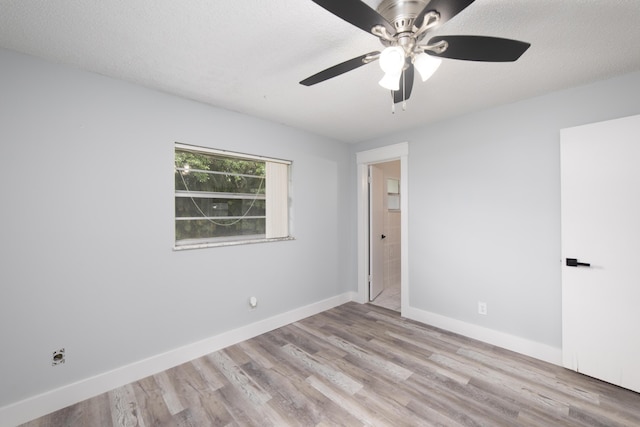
[(600, 176), (376, 230)]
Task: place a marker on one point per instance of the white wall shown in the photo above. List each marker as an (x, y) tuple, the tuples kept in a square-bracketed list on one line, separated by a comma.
[(87, 226), (484, 216)]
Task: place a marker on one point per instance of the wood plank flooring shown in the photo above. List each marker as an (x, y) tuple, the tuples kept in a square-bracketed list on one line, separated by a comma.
[(359, 365)]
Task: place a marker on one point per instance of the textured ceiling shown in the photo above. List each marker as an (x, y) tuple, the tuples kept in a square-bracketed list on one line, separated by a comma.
[(249, 55)]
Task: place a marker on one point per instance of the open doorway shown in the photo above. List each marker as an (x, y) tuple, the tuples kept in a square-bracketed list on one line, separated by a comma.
[(385, 235), (395, 155)]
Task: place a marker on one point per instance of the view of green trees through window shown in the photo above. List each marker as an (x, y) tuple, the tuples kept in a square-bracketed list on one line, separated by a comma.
[(217, 197)]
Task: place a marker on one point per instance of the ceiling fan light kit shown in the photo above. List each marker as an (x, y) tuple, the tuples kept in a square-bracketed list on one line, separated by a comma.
[(401, 26), (392, 62), (390, 81), (426, 65)]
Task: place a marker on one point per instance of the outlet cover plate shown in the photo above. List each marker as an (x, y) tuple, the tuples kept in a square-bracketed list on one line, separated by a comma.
[(482, 308)]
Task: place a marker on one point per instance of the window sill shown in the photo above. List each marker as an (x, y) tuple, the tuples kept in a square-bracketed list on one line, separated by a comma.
[(230, 243)]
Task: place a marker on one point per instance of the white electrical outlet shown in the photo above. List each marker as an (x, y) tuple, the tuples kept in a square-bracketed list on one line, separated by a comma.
[(253, 302), (482, 308)]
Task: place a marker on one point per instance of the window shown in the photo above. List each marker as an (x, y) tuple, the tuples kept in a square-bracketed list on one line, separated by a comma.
[(224, 198)]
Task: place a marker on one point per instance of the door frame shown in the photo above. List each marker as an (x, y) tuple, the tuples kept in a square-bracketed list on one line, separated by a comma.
[(363, 160)]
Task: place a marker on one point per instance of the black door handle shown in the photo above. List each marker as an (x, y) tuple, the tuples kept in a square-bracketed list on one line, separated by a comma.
[(383, 236), (572, 262)]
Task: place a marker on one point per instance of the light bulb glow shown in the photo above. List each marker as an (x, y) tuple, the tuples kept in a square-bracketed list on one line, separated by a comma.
[(426, 65), (392, 60)]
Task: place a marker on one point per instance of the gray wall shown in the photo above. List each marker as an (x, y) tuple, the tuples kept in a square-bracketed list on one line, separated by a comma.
[(87, 226), (484, 207)]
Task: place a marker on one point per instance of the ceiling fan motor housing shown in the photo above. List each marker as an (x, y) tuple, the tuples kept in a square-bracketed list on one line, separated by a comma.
[(401, 14)]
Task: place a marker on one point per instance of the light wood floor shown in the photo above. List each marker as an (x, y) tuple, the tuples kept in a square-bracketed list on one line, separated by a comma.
[(359, 365)]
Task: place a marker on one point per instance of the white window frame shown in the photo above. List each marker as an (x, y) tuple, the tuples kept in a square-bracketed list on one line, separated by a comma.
[(277, 196)]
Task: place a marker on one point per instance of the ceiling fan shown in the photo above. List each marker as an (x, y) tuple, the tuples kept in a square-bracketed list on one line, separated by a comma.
[(401, 26)]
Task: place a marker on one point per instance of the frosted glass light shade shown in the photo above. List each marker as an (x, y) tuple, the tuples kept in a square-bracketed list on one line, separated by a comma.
[(390, 81), (392, 60), (426, 65)]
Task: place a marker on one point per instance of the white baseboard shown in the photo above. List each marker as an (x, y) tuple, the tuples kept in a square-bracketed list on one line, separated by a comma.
[(37, 406), (520, 345), (45, 403)]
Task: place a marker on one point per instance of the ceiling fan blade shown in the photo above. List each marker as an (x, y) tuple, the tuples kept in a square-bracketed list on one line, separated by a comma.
[(356, 13), (480, 48), (446, 8), (406, 81), (336, 70)]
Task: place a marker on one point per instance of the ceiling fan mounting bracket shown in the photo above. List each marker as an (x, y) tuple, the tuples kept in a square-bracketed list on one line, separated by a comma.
[(382, 33), (371, 57), (436, 48), (430, 20)]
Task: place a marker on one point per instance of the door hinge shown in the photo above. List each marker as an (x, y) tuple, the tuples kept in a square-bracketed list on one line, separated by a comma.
[(369, 278)]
